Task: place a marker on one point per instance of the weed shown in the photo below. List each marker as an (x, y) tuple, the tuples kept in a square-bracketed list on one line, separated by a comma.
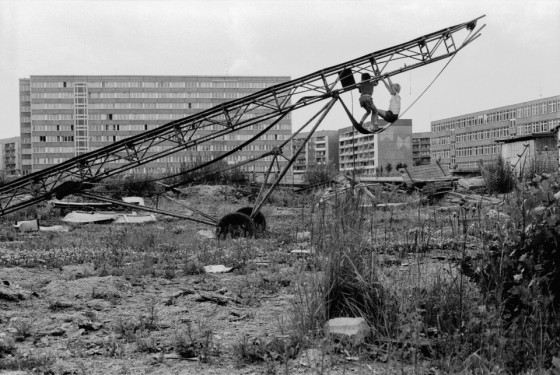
[(198, 342), (147, 343), (7, 345), (114, 348), (126, 329), (259, 349), (193, 267), (36, 362), (250, 351), (500, 177), (24, 328)]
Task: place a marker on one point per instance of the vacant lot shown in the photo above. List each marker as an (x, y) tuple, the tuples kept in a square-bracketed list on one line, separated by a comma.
[(134, 299)]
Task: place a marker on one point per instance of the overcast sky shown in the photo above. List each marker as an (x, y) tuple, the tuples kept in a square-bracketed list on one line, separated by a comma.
[(516, 59)]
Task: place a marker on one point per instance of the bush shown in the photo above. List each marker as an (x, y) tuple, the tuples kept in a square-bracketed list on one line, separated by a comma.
[(317, 174), (520, 274), (499, 177), (214, 173), (141, 185)]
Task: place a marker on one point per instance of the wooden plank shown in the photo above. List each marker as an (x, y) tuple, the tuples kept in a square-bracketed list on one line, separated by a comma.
[(426, 173), (441, 169)]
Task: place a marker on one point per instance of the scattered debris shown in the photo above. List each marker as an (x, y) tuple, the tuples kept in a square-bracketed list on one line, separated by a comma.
[(353, 329), (80, 217), (55, 228), (475, 198), (430, 179), (137, 200), (212, 297), (61, 304), (12, 292), (471, 183), (207, 233), (65, 206), (346, 183), (27, 225), (217, 269), (301, 252), (135, 219), (236, 317)]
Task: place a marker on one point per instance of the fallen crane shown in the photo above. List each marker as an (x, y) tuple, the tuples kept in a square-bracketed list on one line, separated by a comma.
[(76, 175)]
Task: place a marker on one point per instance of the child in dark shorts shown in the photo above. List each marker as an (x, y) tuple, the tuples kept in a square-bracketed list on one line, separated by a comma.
[(366, 101)]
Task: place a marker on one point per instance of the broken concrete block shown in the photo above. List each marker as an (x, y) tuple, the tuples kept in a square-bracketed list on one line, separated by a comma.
[(355, 330), (27, 226), (134, 200), (217, 269)]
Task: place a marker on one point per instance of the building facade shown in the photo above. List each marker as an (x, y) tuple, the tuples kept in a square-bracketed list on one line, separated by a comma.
[(421, 148), (461, 142), (10, 156), (66, 116), (369, 155), (322, 149)]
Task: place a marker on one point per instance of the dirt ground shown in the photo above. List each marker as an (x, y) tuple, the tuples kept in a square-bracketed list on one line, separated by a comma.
[(75, 317)]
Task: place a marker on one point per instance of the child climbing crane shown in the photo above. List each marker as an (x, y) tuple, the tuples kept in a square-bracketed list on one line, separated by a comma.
[(392, 114), (366, 101)]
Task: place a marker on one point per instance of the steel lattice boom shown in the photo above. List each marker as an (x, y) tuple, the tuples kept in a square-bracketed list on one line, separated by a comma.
[(270, 104)]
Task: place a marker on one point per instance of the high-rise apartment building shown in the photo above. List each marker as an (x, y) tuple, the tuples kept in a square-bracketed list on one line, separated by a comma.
[(421, 148), (460, 142), (322, 149), (10, 159), (370, 154), (66, 116)]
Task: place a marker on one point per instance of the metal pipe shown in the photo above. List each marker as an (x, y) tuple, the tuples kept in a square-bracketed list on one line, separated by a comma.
[(287, 167)]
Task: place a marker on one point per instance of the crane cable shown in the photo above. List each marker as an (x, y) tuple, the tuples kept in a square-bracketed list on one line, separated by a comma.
[(431, 83)]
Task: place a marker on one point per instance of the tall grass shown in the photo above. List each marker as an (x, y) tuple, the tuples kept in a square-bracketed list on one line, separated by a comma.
[(492, 310), (500, 177)]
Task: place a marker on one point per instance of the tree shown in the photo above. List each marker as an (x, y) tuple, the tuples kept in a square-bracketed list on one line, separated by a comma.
[(389, 168)]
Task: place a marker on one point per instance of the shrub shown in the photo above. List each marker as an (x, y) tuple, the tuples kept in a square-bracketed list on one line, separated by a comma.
[(142, 185), (216, 172), (499, 177), (389, 168), (520, 274), (317, 174)]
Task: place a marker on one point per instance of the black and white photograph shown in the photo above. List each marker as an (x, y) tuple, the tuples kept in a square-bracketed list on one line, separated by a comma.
[(246, 187)]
